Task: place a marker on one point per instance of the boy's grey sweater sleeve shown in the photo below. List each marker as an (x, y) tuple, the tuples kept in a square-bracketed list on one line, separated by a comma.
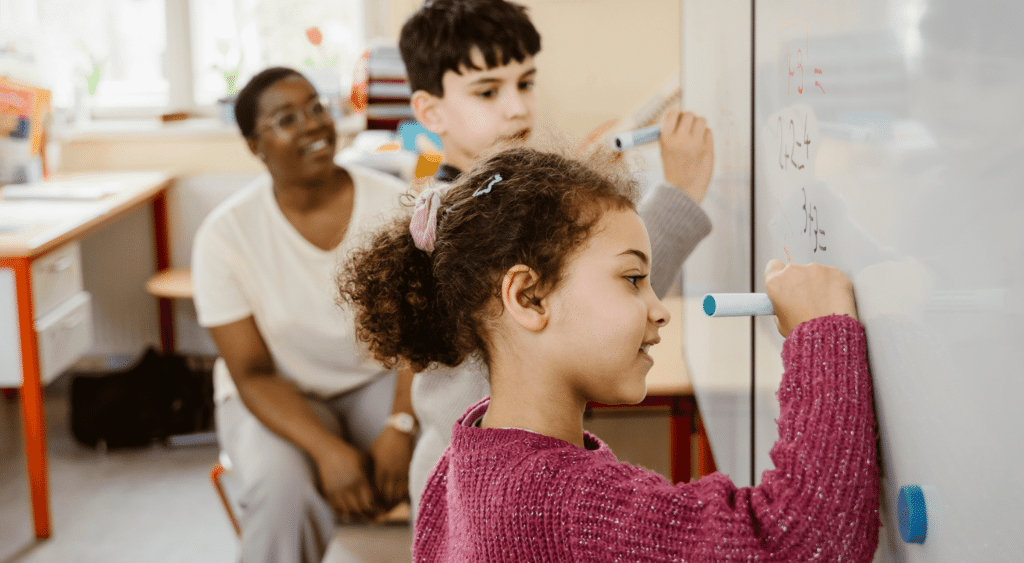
[(676, 224)]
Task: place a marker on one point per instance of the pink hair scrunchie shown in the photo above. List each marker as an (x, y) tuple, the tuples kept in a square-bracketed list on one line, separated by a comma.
[(424, 217)]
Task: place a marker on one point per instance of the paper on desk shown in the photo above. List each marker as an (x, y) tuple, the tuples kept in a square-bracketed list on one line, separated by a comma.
[(75, 190)]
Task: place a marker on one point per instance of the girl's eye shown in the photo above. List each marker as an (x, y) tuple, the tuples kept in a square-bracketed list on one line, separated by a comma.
[(635, 280), (487, 94), (528, 85)]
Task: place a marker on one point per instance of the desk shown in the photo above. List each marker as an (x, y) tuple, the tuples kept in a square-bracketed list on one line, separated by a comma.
[(30, 229), (668, 385)]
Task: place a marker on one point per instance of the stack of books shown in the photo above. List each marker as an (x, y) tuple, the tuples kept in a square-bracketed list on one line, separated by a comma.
[(387, 89)]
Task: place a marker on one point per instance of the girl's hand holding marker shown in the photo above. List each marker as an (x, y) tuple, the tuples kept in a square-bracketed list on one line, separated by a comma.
[(796, 293)]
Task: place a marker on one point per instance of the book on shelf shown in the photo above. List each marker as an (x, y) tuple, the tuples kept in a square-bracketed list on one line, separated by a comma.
[(24, 117)]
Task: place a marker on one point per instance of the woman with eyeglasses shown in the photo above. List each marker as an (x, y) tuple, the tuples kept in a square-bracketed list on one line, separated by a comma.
[(315, 428)]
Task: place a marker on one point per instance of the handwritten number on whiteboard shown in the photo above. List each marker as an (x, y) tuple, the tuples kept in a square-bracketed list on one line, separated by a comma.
[(800, 65), (795, 143), (807, 216), (812, 224), (807, 141), (818, 231), (788, 150)]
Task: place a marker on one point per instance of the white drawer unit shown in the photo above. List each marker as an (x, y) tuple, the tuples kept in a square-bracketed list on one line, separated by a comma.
[(56, 277), (64, 334), (10, 343)]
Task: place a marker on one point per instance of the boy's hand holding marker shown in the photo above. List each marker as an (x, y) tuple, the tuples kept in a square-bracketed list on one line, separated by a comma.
[(801, 292), (687, 152)]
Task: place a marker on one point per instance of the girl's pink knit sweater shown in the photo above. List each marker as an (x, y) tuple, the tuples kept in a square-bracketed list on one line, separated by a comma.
[(512, 495)]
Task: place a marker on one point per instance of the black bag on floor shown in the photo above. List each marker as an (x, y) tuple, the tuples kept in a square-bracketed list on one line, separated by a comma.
[(157, 397)]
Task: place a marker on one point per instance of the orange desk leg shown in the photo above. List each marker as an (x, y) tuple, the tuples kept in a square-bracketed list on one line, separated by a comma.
[(163, 261), (32, 411)]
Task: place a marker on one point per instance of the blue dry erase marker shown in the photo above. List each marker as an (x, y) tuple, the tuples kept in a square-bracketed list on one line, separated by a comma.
[(636, 137), (737, 304)]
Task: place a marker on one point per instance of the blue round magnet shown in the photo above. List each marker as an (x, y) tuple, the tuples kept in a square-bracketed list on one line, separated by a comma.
[(912, 515)]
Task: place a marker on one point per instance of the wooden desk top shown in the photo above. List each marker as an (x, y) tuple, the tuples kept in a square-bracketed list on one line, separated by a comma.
[(669, 375), (30, 227)]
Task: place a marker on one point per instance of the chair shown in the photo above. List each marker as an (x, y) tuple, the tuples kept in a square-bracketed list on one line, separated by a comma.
[(171, 283), (216, 475), (176, 283)]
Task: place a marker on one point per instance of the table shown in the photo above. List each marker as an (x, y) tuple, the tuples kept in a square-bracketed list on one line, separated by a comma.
[(668, 385), (46, 226)]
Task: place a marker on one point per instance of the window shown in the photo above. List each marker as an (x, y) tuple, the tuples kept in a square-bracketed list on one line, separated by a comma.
[(131, 56), (77, 48), (234, 39)]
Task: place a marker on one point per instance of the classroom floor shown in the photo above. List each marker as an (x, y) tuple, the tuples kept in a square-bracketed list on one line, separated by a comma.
[(157, 504)]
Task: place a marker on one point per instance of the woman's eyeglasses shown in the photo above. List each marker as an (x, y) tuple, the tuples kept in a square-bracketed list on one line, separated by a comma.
[(287, 121)]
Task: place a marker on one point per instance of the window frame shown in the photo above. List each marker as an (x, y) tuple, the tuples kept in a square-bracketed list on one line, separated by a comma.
[(179, 62)]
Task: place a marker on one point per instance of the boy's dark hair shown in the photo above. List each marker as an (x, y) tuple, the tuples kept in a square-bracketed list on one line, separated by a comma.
[(248, 100), (441, 36), (433, 308)]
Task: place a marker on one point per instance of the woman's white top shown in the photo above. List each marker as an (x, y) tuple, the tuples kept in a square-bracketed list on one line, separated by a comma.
[(248, 260)]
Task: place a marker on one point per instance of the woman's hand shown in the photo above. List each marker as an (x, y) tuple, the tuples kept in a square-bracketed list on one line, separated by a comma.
[(392, 453), (801, 292), (343, 480)]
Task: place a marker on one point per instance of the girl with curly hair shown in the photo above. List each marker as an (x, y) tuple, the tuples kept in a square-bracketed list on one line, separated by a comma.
[(538, 265)]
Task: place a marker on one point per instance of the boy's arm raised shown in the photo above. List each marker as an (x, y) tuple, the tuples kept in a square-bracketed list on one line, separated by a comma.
[(675, 222)]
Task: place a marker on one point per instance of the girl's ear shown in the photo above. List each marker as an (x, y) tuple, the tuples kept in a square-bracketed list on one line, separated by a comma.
[(425, 109), (520, 294)]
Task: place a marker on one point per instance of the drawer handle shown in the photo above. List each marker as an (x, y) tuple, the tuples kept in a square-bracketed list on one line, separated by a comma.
[(62, 264)]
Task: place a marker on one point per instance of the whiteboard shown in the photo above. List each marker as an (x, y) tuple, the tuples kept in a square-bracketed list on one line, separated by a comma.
[(716, 81), (887, 142)]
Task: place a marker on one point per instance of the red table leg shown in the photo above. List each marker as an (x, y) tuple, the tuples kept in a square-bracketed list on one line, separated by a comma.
[(705, 460), (32, 410), (682, 409), (680, 431), (163, 261)]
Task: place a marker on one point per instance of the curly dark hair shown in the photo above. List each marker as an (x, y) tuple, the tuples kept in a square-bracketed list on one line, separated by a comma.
[(432, 308), (441, 35)]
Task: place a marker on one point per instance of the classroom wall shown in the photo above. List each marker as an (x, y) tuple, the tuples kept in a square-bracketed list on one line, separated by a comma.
[(600, 59)]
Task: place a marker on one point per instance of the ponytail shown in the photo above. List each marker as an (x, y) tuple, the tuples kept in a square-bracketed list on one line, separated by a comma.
[(390, 286)]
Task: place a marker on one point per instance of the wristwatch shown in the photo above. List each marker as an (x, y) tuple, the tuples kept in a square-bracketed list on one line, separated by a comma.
[(403, 422)]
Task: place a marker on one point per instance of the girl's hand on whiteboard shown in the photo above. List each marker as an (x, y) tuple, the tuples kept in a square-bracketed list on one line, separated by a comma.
[(687, 153), (801, 292)]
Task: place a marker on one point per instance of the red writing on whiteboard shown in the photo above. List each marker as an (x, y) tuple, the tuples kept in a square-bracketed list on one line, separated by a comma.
[(795, 59)]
